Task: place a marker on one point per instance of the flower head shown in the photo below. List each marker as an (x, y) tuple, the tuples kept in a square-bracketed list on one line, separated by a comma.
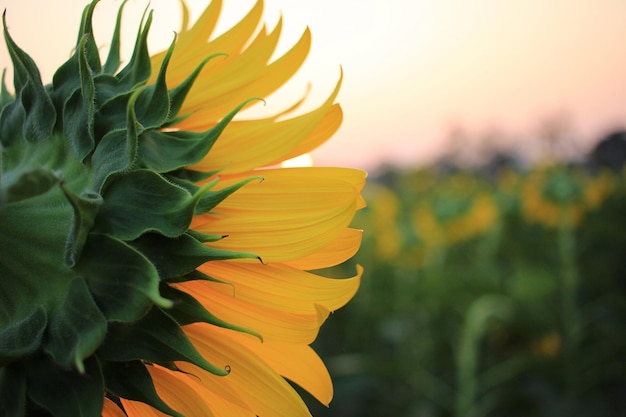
[(147, 264), (559, 195)]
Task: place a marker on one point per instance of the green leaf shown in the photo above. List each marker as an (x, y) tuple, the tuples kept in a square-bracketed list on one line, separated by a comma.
[(187, 310), (131, 380), (12, 391), (155, 338), (123, 282), (63, 392), (177, 257), (76, 328), (22, 337), (142, 201)]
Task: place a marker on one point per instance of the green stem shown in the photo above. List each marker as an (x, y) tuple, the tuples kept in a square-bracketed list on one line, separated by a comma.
[(570, 316), (477, 316)]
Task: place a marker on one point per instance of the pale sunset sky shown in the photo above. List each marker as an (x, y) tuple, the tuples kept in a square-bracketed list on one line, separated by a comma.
[(415, 71)]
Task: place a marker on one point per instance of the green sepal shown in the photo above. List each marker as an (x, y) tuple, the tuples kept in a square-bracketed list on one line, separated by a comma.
[(23, 337), (63, 392), (177, 257), (29, 184), (142, 201), (86, 32), (85, 211), (169, 151), (155, 338), (79, 109), (33, 275), (131, 380), (113, 61), (112, 156), (139, 68), (179, 93), (153, 104), (111, 104), (122, 281), (204, 237), (187, 310), (117, 150), (188, 176), (196, 275), (12, 119), (5, 97), (211, 199), (76, 328), (12, 391), (39, 112)]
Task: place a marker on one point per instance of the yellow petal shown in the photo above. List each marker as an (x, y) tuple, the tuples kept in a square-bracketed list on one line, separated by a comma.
[(245, 145), (297, 362), (177, 391), (139, 409), (246, 72), (290, 214), (111, 409), (257, 383), (280, 287), (336, 252), (193, 46), (272, 324)]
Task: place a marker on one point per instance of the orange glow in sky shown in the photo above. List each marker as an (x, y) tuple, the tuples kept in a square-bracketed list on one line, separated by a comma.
[(414, 70)]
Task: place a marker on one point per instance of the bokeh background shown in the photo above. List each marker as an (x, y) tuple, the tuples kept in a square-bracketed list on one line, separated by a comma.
[(494, 242)]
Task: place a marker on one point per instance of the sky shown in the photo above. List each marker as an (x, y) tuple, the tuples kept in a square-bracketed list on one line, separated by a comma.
[(422, 78)]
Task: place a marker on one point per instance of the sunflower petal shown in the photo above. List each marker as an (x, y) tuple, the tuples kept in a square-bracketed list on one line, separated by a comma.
[(111, 409), (336, 252), (280, 287), (261, 218), (258, 384), (255, 143)]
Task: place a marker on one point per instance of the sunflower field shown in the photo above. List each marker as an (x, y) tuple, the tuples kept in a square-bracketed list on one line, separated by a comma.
[(493, 292)]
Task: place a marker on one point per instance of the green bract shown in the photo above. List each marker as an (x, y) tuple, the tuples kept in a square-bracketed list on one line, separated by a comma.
[(95, 207)]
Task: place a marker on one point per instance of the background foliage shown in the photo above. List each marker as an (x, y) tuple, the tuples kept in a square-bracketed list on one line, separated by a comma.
[(488, 291)]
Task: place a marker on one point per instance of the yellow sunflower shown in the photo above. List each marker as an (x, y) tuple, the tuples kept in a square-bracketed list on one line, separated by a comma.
[(459, 209), (153, 259), (558, 195)]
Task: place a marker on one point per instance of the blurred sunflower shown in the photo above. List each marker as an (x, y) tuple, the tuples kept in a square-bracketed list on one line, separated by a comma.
[(383, 219), (148, 265), (558, 195), (456, 210)]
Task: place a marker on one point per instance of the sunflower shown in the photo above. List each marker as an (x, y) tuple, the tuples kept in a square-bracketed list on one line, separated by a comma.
[(559, 195), (153, 258), (459, 209)]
